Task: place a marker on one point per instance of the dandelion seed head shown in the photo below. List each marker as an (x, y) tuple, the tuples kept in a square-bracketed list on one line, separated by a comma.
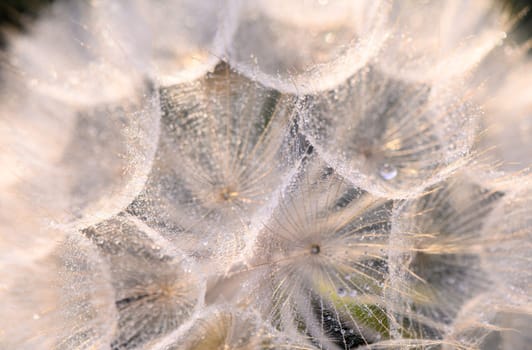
[(304, 174)]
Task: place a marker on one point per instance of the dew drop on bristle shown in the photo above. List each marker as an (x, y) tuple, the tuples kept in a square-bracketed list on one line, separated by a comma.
[(387, 171), (341, 292)]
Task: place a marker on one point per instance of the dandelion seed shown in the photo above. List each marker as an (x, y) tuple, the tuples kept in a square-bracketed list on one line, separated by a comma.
[(302, 46), (310, 288), (429, 44), (503, 146), (510, 331), (34, 130), (375, 128), (61, 301), (440, 234), (79, 164), (222, 328), (87, 68), (179, 40), (224, 150), (506, 252), (122, 143), (485, 323), (26, 232), (156, 289)]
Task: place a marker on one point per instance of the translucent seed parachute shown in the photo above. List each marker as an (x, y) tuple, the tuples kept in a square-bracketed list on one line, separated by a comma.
[(266, 175)]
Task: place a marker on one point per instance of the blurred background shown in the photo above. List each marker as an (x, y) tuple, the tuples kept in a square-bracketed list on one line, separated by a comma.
[(16, 15)]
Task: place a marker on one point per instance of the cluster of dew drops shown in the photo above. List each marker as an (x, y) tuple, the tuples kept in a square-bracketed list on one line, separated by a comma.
[(306, 174)]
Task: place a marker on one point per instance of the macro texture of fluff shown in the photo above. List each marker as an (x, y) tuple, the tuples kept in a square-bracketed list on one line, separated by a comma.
[(247, 175)]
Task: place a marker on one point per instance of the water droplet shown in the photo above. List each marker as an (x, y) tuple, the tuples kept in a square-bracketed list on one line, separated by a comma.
[(341, 292), (353, 293), (387, 171)]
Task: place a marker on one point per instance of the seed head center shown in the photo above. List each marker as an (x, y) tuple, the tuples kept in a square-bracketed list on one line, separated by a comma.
[(228, 195)]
